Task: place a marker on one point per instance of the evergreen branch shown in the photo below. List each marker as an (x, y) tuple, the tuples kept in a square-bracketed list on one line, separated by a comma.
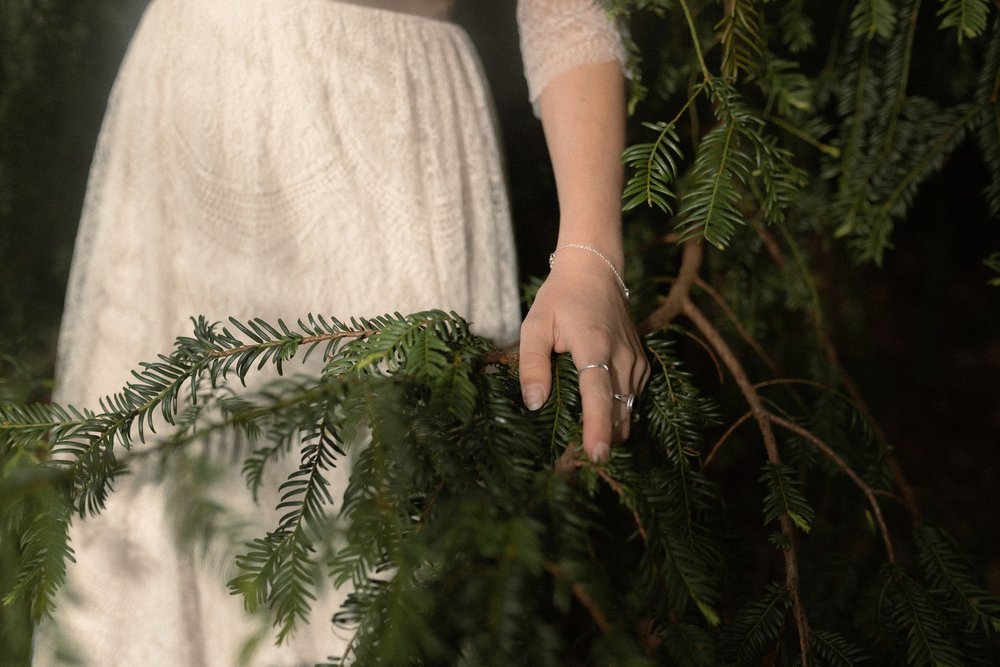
[(900, 185), (993, 263), (44, 549), (784, 497), (625, 498), (914, 615), (743, 47), (689, 645), (654, 168), (968, 17), (709, 209), (695, 41), (581, 594), (563, 407), (755, 627), (763, 419), (835, 651), (950, 576), (857, 398), (901, 75), (795, 131), (853, 476), (796, 27), (872, 18), (857, 108), (988, 132)]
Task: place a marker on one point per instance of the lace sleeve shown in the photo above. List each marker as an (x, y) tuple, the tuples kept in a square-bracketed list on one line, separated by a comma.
[(557, 35)]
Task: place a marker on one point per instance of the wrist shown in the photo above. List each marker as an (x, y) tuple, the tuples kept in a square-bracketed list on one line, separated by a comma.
[(582, 253)]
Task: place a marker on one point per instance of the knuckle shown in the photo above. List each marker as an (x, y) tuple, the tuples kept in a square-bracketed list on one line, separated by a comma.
[(599, 337)]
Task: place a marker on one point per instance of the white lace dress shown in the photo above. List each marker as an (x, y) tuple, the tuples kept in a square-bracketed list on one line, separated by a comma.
[(274, 158)]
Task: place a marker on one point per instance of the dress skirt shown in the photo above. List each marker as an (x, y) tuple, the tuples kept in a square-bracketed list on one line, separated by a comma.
[(262, 158)]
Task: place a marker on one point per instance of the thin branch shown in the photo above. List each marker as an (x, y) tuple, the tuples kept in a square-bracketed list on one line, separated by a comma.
[(740, 328), (501, 358), (832, 151), (763, 418), (725, 436), (679, 290), (580, 593), (771, 244), (854, 477), (305, 340), (695, 41), (620, 490), (708, 350)]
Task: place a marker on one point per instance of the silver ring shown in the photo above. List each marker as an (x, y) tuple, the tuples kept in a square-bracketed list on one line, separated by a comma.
[(628, 400), (583, 368)]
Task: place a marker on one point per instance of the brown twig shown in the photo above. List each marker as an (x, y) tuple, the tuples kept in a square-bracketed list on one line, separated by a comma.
[(740, 328), (725, 436), (854, 477), (711, 355), (679, 290), (763, 418), (580, 593), (620, 490), (501, 358), (771, 245), (571, 459)]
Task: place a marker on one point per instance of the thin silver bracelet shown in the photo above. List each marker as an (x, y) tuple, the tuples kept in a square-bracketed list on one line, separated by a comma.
[(621, 281)]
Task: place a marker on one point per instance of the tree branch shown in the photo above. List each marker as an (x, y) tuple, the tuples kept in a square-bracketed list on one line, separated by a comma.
[(679, 290), (763, 418), (854, 477), (582, 596)]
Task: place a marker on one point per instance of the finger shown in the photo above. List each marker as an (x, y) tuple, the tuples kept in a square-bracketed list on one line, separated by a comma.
[(595, 394), (596, 399), (621, 388), (632, 374), (622, 422), (535, 365)]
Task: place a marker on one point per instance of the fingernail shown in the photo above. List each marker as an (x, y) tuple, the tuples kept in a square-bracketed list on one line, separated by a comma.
[(600, 453), (534, 396)]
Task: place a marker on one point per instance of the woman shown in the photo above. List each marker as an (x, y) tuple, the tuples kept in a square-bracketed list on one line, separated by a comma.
[(272, 158)]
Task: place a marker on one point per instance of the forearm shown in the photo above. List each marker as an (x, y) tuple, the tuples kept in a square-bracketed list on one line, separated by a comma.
[(582, 112)]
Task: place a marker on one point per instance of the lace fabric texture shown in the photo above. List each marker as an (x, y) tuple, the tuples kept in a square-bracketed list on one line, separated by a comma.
[(264, 158), (557, 35)]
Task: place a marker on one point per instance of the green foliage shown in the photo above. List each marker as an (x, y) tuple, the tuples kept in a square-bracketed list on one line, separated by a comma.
[(784, 496), (833, 650), (988, 133), (755, 627), (968, 17), (993, 262), (654, 169), (950, 578), (743, 44), (909, 616), (871, 18)]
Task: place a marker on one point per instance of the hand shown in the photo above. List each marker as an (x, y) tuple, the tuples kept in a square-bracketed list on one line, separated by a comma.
[(581, 309)]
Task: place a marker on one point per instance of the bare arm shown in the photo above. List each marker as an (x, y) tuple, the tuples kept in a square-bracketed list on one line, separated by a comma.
[(581, 307)]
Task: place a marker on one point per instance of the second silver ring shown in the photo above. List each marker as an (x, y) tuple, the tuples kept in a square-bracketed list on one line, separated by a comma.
[(628, 399)]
